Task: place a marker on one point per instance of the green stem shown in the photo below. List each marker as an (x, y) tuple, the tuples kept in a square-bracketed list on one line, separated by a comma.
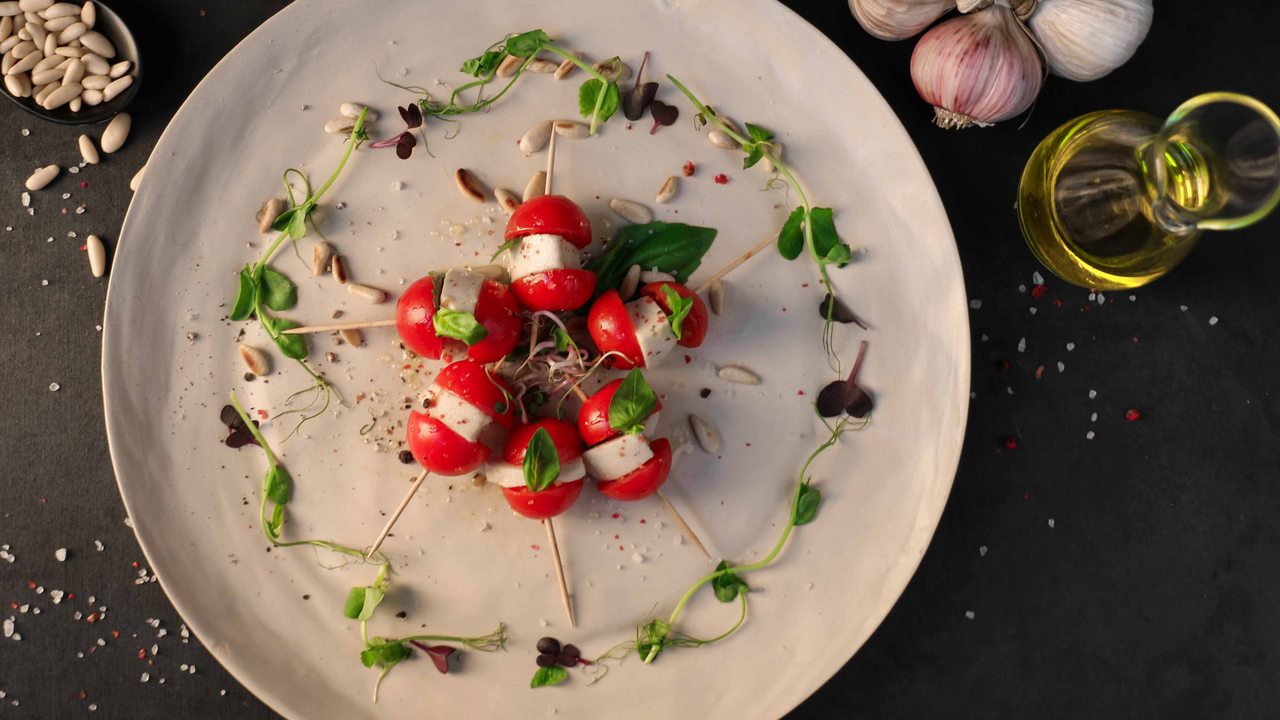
[(604, 83), (248, 423), (350, 146)]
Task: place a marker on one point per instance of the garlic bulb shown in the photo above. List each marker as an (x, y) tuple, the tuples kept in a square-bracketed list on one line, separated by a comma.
[(898, 19), (977, 69), (1086, 39)]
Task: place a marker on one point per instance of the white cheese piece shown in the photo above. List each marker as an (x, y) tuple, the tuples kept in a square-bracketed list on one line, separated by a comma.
[(456, 413), (539, 253), (505, 474), (461, 290), (652, 330), (614, 458)]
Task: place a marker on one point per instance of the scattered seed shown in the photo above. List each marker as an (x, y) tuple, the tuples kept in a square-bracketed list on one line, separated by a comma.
[(257, 361), (118, 129), (655, 276), (738, 374), (137, 179), (706, 433), (506, 200), (567, 66), (42, 177), (338, 266), (766, 163), (543, 66), (353, 337), (267, 214), (721, 139), (352, 110), (536, 138), (631, 211), (321, 255), (667, 191), (537, 186), (717, 295), (613, 70), (630, 283), (509, 65), (368, 294), (571, 129), (340, 126), (468, 185), (97, 255)]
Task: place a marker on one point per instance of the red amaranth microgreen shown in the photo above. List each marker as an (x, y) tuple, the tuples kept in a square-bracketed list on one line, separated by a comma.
[(640, 95), (404, 143), (662, 114)]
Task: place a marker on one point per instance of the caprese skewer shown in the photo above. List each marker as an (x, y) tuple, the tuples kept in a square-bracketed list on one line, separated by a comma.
[(460, 314), (465, 399), (544, 241), (641, 333)]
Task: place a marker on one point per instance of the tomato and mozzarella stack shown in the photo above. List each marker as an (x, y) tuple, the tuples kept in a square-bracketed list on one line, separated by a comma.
[(640, 331), (627, 467), (489, 301), (464, 400), (508, 471), (546, 265)]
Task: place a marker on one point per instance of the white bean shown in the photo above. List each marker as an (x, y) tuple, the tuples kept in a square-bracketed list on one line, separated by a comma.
[(6, 27), (97, 255), (87, 150), (34, 5), (91, 97), (117, 130), (98, 43), (18, 85), (74, 73), (61, 96), (57, 25), (95, 64), (10, 8), (22, 48), (89, 14), (42, 177), (116, 87), (44, 77), (60, 10), (366, 293), (137, 179), (73, 31), (96, 82), (119, 69)]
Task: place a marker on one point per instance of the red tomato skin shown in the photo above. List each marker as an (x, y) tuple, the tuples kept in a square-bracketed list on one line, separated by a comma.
[(612, 331), (544, 503), (693, 329), (470, 381), (644, 480), (414, 312), (551, 215), (564, 435), (593, 420), (499, 313), (441, 450), (555, 290)]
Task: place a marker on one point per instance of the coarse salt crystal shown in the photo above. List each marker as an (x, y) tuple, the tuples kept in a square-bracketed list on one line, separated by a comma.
[(543, 623), (60, 554), (56, 595), (66, 196), (155, 649), (1037, 278), (984, 337), (1094, 418), (1093, 394), (1022, 288), (44, 282), (73, 169), (1050, 522), (1061, 366), (1100, 298), (26, 199), (1184, 308), (145, 677), (1033, 311), (1089, 435), (101, 642), (92, 707), (1093, 295), (1213, 320), (35, 611), (24, 608), (397, 185), (1071, 346), (183, 667), (982, 551), (969, 614), (40, 590), (192, 670), (25, 132), (1133, 298), (637, 558), (161, 633), (98, 544), (1022, 345), (975, 304)]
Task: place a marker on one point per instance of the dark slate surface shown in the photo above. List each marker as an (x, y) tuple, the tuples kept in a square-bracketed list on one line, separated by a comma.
[(1132, 575)]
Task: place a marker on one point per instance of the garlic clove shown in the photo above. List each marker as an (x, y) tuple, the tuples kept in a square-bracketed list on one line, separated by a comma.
[(977, 69), (1086, 39), (898, 19)]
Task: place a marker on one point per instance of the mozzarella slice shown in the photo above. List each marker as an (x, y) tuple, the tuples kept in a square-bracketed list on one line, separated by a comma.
[(652, 330), (457, 414), (540, 253), (505, 474), (461, 290), (614, 458)]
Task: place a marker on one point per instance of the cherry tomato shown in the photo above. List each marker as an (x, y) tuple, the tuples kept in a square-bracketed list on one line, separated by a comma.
[(414, 313), (441, 450), (544, 503), (693, 329), (593, 421), (555, 290), (564, 435), (499, 313), (644, 480), (551, 215), (472, 382), (612, 331)]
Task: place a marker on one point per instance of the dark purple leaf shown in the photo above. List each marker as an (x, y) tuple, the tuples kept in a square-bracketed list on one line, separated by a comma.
[(241, 437), (405, 145), (663, 114), (846, 396), (840, 313), (439, 654), (411, 115), (637, 99), (230, 417)]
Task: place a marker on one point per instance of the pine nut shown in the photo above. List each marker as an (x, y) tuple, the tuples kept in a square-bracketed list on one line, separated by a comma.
[(738, 374), (509, 65), (630, 283), (468, 185), (668, 190), (352, 110), (42, 177), (256, 360), (61, 96), (717, 297), (95, 64), (368, 294), (98, 43), (96, 82), (338, 266), (97, 255), (89, 14), (537, 186), (340, 126), (321, 255), (267, 214), (91, 97), (706, 433), (74, 71), (32, 6), (536, 138), (507, 200), (87, 150), (571, 129), (119, 69), (116, 87), (18, 85), (117, 131), (632, 211), (136, 180), (354, 337)]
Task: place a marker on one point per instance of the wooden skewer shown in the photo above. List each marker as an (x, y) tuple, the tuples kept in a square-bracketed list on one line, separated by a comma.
[(745, 257), (564, 587), (551, 160), (339, 326), (396, 515)]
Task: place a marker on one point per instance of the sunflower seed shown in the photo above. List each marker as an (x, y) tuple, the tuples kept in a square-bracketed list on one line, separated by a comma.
[(632, 211), (468, 185), (536, 138), (321, 254), (537, 186), (655, 276), (766, 163), (267, 214), (612, 70), (354, 337), (97, 255), (507, 200), (567, 66), (543, 66), (509, 65), (722, 139), (706, 433), (738, 374), (368, 294), (717, 297), (571, 129), (338, 265), (667, 191), (352, 110), (630, 283), (340, 126), (257, 361)]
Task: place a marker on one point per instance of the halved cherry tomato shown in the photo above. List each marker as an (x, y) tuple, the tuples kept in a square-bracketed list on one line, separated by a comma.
[(644, 480), (693, 329), (441, 450), (472, 382), (496, 310), (611, 328), (555, 290), (551, 215), (564, 435), (499, 313), (544, 503), (593, 421), (414, 312)]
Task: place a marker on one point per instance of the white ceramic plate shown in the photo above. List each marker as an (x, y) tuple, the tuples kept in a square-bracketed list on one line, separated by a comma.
[(194, 501)]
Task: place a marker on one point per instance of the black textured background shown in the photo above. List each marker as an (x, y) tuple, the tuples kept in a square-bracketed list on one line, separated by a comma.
[(1154, 592)]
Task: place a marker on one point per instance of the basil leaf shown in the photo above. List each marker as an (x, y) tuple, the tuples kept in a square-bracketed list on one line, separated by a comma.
[(483, 65), (278, 485), (280, 294), (526, 44), (548, 676), (673, 248), (563, 341), (541, 462), (242, 308), (791, 237), (460, 325), (680, 308), (372, 598), (355, 603), (504, 247), (824, 232), (632, 403), (754, 153), (293, 346), (806, 505), (759, 134), (728, 585), (588, 93)]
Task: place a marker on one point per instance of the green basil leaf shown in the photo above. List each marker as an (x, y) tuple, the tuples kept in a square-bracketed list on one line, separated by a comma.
[(632, 403), (293, 346), (806, 504), (355, 603), (588, 93), (278, 485), (673, 248), (372, 598), (824, 231), (563, 341), (280, 293), (680, 308), (483, 65), (753, 156), (242, 308), (791, 237), (541, 462), (728, 585), (759, 134), (504, 247), (460, 325), (526, 44), (284, 219), (548, 676)]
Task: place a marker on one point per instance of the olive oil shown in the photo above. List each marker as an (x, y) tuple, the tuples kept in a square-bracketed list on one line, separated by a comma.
[(1089, 194)]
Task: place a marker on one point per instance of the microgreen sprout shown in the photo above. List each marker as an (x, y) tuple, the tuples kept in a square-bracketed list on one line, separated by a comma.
[(640, 95), (662, 114), (405, 142)]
